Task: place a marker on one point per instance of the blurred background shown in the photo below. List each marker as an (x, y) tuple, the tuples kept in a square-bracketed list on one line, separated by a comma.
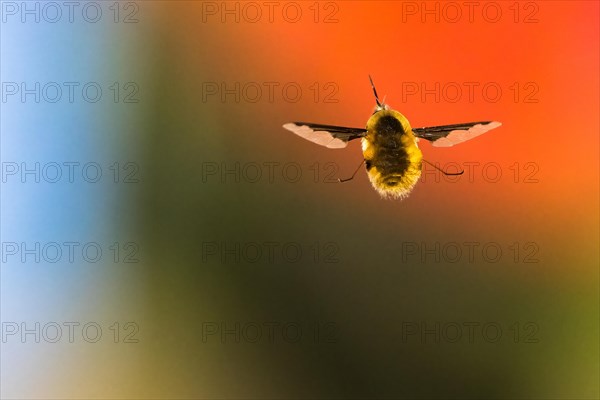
[(164, 237)]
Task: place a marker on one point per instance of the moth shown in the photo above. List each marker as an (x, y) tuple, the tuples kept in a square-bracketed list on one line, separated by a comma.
[(390, 148)]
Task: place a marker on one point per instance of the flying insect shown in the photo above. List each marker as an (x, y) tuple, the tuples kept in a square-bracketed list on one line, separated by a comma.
[(391, 154)]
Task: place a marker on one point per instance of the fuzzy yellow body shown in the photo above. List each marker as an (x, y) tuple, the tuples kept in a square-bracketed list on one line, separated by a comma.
[(391, 154)]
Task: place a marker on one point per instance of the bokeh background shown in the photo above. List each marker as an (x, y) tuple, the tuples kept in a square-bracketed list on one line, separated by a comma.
[(367, 279)]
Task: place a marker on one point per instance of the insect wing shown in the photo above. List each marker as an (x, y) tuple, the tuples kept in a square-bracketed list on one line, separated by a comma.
[(330, 136), (449, 135)]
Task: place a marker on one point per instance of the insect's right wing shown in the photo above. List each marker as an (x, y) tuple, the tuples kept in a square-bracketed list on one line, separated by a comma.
[(330, 136), (449, 135)]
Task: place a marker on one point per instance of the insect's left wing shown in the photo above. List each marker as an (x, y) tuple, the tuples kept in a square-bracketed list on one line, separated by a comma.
[(333, 137), (449, 135)]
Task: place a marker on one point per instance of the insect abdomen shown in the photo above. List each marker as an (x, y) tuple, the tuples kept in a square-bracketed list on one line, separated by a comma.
[(391, 154)]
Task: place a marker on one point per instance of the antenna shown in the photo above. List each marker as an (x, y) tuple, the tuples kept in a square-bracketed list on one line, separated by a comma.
[(375, 92)]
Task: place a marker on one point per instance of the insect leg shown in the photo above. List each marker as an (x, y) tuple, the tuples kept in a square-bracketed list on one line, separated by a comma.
[(349, 179), (442, 171)]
